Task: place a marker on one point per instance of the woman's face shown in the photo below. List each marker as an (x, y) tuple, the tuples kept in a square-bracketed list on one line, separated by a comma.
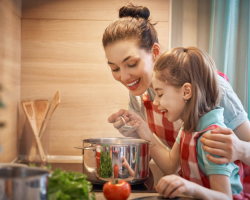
[(130, 65)]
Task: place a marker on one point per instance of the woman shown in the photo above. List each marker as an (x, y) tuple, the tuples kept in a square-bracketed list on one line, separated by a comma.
[(131, 47)]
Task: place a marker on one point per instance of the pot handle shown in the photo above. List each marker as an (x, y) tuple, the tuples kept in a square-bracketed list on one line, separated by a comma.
[(151, 144), (89, 147)]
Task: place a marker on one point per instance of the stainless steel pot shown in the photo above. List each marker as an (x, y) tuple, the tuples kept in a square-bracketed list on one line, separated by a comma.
[(22, 183), (130, 154)]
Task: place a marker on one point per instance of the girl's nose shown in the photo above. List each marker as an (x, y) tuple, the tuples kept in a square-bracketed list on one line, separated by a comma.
[(156, 102)]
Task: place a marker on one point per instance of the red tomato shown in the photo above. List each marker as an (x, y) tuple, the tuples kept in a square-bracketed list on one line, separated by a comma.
[(120, 190), (116, 170)]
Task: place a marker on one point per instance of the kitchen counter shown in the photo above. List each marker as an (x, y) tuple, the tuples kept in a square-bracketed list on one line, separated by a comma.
[(136, 192), (139, 191), (135, 196)]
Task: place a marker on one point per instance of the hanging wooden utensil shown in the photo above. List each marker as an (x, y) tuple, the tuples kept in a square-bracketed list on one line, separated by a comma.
[(52, 108), (30, 114), (40, 108)]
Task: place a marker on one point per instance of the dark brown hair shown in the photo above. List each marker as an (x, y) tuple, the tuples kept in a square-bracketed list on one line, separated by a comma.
[(191, 65), (133, 24)]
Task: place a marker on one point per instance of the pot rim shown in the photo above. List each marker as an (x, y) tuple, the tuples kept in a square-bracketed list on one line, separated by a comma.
[(41, 172), (106, 141)]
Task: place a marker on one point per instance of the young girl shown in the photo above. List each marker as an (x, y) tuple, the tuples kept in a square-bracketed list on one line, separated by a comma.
[(189, 75)]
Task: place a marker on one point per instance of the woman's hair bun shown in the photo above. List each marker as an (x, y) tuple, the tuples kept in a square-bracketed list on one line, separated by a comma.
[(134, 11)]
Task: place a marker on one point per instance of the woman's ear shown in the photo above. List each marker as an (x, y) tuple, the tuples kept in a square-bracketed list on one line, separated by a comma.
[(156, 50), (187, 91)]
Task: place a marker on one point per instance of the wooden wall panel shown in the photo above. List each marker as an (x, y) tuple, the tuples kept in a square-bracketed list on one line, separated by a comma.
[(101, 10), (62, 51), (10, 67)]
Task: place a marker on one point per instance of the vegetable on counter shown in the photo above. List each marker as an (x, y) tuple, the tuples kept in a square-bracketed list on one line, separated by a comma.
[(116, 190), (105, 166), (64, 185)]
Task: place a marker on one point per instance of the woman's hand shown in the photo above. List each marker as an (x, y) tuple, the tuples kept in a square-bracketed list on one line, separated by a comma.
[(118, 123), (222, 142), (172, 185), (140, 130)]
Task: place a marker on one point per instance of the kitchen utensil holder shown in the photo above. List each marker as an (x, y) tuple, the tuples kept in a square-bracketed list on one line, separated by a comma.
[(26, 149)]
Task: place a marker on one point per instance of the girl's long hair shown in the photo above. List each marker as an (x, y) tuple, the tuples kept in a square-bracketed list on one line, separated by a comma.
[(191, 65)]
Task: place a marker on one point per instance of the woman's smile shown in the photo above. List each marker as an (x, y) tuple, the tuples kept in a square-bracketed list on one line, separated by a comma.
[(134, 84)]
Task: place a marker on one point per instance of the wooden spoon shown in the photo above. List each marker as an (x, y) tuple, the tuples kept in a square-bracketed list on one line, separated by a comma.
[(40, 108), (52, 108), (29, 112)]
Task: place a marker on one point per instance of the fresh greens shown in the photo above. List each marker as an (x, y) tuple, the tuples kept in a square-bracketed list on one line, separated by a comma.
[(105, 168), (64, 185)]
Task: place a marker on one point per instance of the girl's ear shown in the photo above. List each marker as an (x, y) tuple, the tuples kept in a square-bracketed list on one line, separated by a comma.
[(156, 50), (187, 91)]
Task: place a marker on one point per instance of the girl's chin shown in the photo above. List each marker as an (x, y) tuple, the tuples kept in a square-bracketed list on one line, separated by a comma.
[(168, 118), (166, 115)]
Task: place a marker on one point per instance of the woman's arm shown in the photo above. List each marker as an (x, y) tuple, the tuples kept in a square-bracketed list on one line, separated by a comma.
[(223, 142), (172, 186)]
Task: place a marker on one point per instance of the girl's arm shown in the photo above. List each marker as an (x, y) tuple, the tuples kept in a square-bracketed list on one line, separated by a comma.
[(223, 142), (172, 186), (167, 161)]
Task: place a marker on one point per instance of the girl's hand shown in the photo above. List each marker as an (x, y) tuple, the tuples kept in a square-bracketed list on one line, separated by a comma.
[(222, 142), (132, 119), (172, 185)]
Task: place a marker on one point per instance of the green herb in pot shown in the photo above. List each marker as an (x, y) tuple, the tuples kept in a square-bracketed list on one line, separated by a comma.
[(64, 185), (105, 167)]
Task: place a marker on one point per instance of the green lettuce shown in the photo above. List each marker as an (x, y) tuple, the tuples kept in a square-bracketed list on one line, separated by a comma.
[(64, 185)]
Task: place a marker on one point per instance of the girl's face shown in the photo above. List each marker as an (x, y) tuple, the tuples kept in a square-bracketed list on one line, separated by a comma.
[(130, 65), (169, 99)]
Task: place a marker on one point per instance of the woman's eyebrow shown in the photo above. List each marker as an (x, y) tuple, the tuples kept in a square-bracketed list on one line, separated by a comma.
[(110, 63)]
